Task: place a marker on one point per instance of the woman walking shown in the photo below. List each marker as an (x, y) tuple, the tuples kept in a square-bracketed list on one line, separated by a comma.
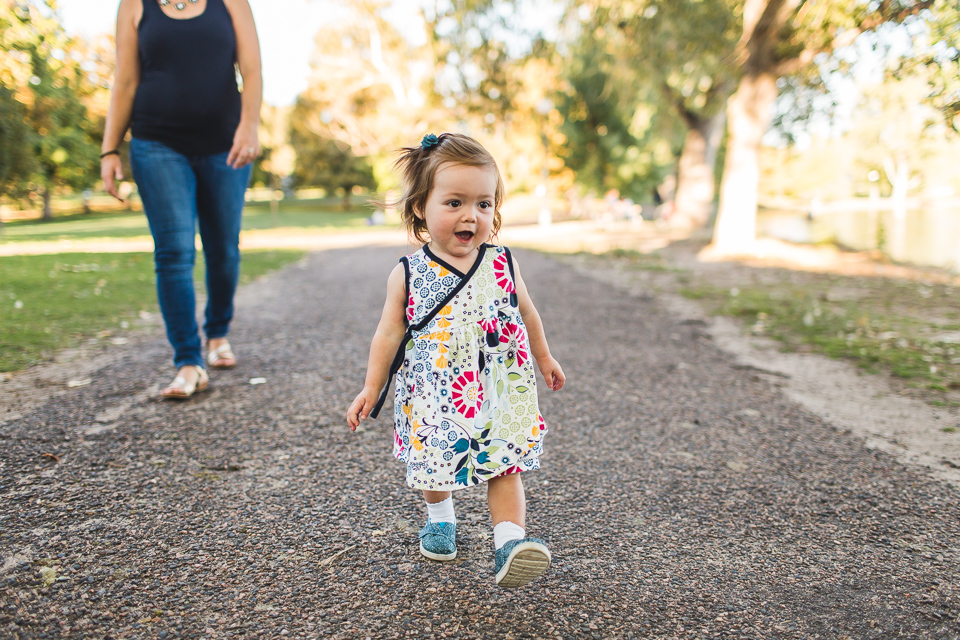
[(194, 137)]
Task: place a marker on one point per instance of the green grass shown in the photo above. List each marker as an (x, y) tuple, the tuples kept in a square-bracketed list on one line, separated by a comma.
[(52, 302), (301, 214), (884, 330)]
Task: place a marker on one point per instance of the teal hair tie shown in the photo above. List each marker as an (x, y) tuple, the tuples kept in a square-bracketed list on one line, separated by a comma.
[(428, 141)]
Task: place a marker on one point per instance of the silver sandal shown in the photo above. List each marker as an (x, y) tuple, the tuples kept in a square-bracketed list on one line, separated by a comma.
[(181, 389), (223, 352)]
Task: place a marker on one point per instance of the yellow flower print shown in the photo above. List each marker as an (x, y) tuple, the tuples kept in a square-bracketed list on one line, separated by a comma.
[(446, 310), (443, 323), (441, 362)]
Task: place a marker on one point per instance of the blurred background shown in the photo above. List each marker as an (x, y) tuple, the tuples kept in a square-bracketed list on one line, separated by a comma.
[(812, 122)]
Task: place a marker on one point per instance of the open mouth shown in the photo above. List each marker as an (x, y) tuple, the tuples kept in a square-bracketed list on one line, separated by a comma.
[(464, 236)]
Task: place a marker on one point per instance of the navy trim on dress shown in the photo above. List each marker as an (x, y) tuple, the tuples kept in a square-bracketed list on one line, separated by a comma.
[(406, 287), (514, 297), (408, 335)]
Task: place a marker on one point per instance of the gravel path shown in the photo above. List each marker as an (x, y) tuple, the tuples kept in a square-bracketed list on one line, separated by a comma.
[(682, 496)]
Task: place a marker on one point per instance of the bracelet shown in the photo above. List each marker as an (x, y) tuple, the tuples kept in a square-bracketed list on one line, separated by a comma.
[(109, 153)]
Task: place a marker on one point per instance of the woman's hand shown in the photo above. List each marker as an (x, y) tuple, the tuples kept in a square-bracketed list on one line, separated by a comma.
[(361, 407), (111, 172), (246, 146), (552, 373)]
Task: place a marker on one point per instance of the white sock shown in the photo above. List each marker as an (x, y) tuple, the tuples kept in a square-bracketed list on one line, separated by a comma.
[(442, 511), (505, 532)]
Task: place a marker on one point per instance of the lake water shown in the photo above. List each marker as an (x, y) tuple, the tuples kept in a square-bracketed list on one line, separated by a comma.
[(928, 236)]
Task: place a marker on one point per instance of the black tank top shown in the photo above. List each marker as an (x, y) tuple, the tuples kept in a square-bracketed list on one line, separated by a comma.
[(187, 97)]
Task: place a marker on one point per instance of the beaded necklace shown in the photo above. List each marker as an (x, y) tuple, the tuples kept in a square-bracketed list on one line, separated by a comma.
[(179, 6)]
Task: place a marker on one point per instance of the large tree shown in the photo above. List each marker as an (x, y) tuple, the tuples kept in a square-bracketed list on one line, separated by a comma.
[(780, 38), (678, 53)]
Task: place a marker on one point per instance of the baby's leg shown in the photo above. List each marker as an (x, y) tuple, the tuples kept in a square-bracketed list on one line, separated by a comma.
[(506, 500), (433, 497), (439, 506), (438, 539), (517, 559)]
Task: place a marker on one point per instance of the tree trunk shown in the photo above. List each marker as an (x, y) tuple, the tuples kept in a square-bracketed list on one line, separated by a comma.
[(695, 178), (749, 111), (898, 173), (346, 198), (47, 209)]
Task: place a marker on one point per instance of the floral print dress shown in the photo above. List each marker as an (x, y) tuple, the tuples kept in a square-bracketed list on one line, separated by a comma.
[(466, 397)]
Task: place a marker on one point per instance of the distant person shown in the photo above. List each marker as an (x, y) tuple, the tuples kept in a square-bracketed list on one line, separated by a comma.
[(455, 327), (194, 137)]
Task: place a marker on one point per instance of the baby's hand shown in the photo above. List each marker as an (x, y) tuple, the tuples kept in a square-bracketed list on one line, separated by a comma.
[(552, 373), (361, 407)]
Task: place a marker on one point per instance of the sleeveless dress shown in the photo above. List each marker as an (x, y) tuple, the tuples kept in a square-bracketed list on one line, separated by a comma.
[(466, 393)]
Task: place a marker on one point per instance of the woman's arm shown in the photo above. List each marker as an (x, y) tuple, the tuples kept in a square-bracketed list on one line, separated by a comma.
[(246, 145), (549, 367), (125, 82), (385, 343)]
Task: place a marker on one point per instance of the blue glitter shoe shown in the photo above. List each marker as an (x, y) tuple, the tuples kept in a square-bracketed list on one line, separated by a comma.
[(438, 540), (521, 561)]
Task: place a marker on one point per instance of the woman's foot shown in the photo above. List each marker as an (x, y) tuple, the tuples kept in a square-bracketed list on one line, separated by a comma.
[(438, 541), (219, 354), (521, 561), (190, 380)]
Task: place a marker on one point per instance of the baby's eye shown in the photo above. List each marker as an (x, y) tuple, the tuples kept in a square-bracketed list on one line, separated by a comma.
[(485, 205), (453, 203)]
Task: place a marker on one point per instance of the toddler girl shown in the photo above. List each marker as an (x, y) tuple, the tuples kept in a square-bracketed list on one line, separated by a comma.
[(459, 329)]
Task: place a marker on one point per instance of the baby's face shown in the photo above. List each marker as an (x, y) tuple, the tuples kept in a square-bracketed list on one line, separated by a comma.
[(460, 210)]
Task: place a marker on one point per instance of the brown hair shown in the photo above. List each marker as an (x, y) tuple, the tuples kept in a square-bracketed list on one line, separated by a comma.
[(418, 167)]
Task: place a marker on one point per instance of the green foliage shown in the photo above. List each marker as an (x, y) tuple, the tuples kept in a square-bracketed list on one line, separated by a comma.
[(58, 144), (480, 48), (940, 60), (64, 146), (16, 163), (324, 162), (682, 48), (642, 73), (51, 302), (600, 146)]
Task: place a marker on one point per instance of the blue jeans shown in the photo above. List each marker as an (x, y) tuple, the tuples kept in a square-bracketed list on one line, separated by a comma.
[(179, 191)]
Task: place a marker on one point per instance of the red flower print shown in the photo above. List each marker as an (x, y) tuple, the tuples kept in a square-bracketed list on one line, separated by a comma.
[(502, 271), (411, 307), (514, 333), (467, 394), (489, 325)]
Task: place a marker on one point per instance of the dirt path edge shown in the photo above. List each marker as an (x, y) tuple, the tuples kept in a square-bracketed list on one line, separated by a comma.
[(836, 391)]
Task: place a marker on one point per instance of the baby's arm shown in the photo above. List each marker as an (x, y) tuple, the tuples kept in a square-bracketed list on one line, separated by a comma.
[(385, 343), (549, 367)]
